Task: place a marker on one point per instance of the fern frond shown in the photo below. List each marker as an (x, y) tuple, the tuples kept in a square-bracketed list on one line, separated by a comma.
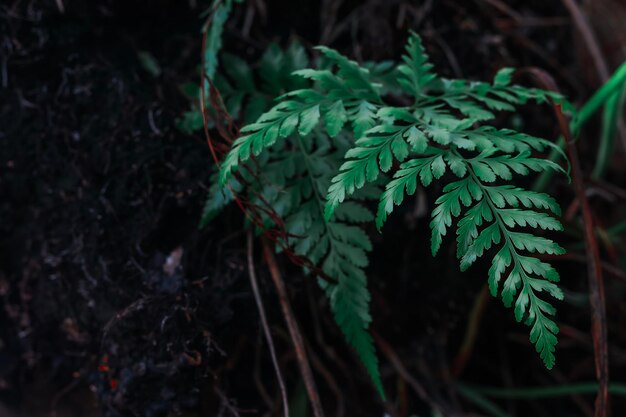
[(405, 181), (277, 66), (280, 122), (356, 77), (455, 195), (328, 144), (351, 98), (371, 155), (363, 116), (349, 301), (416, 74), (492, 212), (220, 10), (526, 276), (340, 246), (218, 198)]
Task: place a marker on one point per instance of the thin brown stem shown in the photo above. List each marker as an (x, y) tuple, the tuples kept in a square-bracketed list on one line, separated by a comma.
[(596, 279), (597, 298), (294, 330), (266, 329)]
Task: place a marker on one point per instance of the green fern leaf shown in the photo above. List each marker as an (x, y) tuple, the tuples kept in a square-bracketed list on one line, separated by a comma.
[(349, 301), (335, 117), (449, 205), (333, 140), (488, 236), (519, 286), (217, 200), (363, 117), (339, 246), (371, 155), (214, 35), (415, 75)]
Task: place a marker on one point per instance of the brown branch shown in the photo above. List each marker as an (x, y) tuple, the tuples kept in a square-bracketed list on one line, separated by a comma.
[(596, 279), (318, 365), (502, 7), (266, 329), (594, 264), (294, 330)]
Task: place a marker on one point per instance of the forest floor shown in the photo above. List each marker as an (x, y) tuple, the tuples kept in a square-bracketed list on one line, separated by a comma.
[(113, 303)]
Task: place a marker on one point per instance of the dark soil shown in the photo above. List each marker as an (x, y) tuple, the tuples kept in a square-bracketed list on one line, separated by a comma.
[(113, 303)]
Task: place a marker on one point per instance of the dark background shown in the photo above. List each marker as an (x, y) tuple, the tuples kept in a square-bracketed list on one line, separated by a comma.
[(98, 189)]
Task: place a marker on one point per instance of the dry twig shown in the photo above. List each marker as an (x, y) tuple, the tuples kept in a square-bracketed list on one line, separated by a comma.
[(596, 279), (294, 330), (266, 330), (594, 264)]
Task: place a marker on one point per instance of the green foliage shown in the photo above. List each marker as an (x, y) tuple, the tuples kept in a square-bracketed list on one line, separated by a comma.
[(219, 197), (610, 99), (326, 147), (218, 12), (611, 96), (246, 95), (296, 172), (345, 95), (149, 63)]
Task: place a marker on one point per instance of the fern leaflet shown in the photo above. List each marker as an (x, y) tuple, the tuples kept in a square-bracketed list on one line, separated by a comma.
[(325, 147)]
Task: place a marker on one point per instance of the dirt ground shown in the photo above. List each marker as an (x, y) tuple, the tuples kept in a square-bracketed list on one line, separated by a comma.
[(113, 303)]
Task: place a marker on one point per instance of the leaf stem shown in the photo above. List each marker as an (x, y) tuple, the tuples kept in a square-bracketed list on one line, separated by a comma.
[(264, 324), (294, 330), (599, 99)]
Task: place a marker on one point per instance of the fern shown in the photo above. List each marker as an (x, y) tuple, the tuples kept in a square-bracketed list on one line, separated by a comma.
[(246, 94), (297, 168), (339, 246), (219, 11), (491, 214), (218, 198), (345, 93), (325, 148)]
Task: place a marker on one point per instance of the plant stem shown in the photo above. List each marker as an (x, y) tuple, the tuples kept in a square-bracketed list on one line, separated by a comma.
[(294, 330), (596, 280), (615, 83), (610, 120), (266, 329)]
